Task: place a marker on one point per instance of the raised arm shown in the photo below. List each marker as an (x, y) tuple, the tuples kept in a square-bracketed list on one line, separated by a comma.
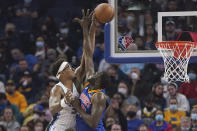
[(98, 107), (84, 22)]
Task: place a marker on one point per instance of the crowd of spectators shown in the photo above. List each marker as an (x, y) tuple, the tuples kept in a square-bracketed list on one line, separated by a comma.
[(34, 33)]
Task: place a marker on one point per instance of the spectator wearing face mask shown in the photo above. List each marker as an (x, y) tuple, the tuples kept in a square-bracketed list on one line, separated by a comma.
[(189, 89), (40, 48), (123, 89), (29, 84), (64, 49), (11, 36), (185, 124), (139, 87), (172, 114), (193, 117), (159, 124), (182, 102), (157, 94), (14, 96), (133, 123)]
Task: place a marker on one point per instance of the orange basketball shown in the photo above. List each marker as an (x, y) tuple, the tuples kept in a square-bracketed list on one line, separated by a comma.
[(104, 13)]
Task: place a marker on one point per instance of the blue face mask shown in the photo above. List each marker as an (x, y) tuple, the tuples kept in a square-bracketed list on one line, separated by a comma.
[(64, 31), (40, 44), (192, 76), (194, 116), (159, 117), (173, 107)]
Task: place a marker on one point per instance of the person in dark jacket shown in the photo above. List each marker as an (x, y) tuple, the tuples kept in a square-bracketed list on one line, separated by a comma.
[(157, 94)]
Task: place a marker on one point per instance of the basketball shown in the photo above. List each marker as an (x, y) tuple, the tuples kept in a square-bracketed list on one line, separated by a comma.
[(104, 13)]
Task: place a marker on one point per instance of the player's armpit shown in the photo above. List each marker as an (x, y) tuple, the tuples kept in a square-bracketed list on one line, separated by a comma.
[(98, 107), (54, 100)]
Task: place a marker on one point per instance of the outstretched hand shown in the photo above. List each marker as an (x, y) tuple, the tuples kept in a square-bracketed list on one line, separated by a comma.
[(86, 18), (95, 22)]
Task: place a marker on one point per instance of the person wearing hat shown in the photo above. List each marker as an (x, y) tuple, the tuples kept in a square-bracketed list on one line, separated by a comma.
[(29, 86), (170, 28), (15, 97), (182, 102)]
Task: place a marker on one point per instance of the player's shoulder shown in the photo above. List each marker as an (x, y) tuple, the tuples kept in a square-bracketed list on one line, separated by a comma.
[(56, 89), (99, 97)]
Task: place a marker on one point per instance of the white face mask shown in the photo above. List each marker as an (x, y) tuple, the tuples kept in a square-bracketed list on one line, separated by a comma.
[(122, 91), (134, 75), (36, 116), (163, 80)]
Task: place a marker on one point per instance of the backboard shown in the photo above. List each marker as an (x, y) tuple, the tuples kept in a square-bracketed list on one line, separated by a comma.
[(138, 24)]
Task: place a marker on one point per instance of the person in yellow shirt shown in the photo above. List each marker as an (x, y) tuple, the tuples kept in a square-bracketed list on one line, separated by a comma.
[(172, 114), (14, 96)]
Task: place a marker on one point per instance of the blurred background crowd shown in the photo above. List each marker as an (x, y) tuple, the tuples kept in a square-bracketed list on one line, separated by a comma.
[(34, 33), (138, 19)]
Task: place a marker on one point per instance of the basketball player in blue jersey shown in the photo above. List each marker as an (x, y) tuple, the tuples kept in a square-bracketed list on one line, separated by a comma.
[(93, 100), (64, 114)]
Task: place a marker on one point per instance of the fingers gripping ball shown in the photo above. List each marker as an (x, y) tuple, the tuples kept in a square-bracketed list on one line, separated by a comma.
[(104, 13)]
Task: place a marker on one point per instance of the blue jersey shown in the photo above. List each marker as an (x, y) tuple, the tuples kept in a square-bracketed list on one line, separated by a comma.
[(86, 103)]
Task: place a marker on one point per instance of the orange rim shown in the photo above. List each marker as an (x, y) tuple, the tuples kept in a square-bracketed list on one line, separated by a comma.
[(182, 51), (173, 43)]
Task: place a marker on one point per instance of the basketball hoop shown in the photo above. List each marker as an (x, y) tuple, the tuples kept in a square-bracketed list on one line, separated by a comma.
[(176, 55)]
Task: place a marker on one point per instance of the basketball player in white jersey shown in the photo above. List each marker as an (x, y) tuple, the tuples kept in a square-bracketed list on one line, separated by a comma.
[(64, 116)]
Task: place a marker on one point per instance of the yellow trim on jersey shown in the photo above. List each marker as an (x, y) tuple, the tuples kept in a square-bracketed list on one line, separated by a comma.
[(86, 84), (95, 94), (91, 91)]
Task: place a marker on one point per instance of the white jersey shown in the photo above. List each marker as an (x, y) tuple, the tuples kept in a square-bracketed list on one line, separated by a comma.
[(66, 118)]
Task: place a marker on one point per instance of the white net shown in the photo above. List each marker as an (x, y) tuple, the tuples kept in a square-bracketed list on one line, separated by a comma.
[(176, 56)]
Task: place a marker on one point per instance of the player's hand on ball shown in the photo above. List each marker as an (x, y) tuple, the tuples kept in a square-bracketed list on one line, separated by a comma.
[(86, 18), (95, 22)]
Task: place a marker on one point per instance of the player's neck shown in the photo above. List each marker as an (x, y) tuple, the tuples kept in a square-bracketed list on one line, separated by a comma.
[(68, 83)]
